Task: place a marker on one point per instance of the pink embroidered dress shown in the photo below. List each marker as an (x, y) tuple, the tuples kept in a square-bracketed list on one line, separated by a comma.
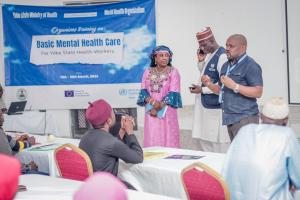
[(161, 86)]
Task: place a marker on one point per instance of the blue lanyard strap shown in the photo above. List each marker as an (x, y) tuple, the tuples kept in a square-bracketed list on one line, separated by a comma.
[(229, 69)]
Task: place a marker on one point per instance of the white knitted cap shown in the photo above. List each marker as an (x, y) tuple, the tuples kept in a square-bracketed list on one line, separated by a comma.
[(276, 108)]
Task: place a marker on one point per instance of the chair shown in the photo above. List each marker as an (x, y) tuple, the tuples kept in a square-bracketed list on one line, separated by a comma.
[(203, 183), (72, 162)]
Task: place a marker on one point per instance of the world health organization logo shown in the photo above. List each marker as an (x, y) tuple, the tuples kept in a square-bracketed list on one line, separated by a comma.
[(123, 92)]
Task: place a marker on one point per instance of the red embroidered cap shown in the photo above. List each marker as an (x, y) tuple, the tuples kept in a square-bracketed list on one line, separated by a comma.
[(204, 34), (98, 112)]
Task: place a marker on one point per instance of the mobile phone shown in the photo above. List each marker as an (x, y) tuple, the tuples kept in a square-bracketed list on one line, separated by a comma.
[(21, 188), (200, 51)]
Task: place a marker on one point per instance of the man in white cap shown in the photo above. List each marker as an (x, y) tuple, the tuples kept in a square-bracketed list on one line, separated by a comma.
[(263, 160), (207, 125)]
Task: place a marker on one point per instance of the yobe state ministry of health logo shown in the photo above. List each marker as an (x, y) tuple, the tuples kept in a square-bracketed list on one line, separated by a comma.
[(21, 94)]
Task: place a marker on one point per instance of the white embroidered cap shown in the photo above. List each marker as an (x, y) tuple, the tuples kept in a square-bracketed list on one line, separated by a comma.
[(276, 108)]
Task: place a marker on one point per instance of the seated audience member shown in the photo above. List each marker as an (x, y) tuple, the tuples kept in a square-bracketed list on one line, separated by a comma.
[(101, 185), (2, 104), (24, 141), (9, 177), (263, 161), (102, 147), (15, 145), (9, 146)]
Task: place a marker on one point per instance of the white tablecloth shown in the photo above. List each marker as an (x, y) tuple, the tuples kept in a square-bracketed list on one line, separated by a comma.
[(41, 187), (163, 176), (42, 157), (31, 122), (155, 175)]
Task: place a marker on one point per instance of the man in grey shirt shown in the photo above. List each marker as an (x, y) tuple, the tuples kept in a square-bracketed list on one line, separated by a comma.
[(2, 104), (4, 144), (10, 146), (102, 147)]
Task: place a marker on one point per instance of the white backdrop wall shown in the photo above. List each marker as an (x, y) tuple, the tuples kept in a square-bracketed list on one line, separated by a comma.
[(261, 21), (294, 49)]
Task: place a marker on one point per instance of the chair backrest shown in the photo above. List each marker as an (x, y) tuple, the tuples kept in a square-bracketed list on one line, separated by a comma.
[(203, 183), (72, 162)]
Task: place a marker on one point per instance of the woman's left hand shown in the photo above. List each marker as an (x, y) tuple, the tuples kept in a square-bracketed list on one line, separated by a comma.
[(153, 112), (157, 105)]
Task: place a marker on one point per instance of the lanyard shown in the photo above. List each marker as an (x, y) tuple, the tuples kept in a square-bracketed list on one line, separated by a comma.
[(229, 69)]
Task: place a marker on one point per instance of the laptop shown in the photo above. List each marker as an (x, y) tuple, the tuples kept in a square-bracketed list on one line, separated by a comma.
[(16, 107)]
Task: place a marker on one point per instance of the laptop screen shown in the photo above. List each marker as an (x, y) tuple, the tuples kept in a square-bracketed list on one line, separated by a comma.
[(16, 107)]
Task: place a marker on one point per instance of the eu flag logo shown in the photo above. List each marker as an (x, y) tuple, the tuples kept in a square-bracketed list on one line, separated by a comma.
[(69, 93)]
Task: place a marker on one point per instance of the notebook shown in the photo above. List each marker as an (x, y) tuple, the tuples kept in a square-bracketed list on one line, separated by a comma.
[(160, 114), (16, 107)]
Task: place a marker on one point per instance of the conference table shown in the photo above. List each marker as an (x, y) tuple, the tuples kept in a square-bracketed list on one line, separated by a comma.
[(160, 173), (43, 153), (41, 187), (157, 174), (35, 122)]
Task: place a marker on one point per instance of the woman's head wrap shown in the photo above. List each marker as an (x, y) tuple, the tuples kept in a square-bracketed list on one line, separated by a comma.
[(158, 49)]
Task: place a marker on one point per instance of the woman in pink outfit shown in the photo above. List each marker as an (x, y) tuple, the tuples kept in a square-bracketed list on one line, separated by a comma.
[(160, 94)]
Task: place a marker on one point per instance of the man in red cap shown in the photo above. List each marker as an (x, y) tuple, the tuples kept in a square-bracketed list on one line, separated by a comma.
[(102, 147), (207, 124)]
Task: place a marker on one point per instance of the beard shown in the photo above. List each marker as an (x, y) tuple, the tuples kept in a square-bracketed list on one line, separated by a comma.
[(114, 130)]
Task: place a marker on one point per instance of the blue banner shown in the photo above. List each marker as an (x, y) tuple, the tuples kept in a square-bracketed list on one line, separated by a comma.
[(105, 44)]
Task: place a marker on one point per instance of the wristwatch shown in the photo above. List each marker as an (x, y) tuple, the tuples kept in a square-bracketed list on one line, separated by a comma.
[(237, 88)]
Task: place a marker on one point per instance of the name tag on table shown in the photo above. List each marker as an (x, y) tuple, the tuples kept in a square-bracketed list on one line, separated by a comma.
[(184, 157), (46, 147), (153, 154)]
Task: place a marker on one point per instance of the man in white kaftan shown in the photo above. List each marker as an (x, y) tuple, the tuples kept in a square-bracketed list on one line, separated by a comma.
[(263, 161), (207, 123)]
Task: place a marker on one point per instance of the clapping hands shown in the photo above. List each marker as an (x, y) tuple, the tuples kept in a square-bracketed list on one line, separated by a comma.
[(228, 82), (26, 137), (127, 124)]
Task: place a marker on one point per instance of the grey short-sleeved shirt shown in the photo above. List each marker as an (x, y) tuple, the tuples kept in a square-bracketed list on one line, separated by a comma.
[(2, 104), (236, 106), (4, 145)]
